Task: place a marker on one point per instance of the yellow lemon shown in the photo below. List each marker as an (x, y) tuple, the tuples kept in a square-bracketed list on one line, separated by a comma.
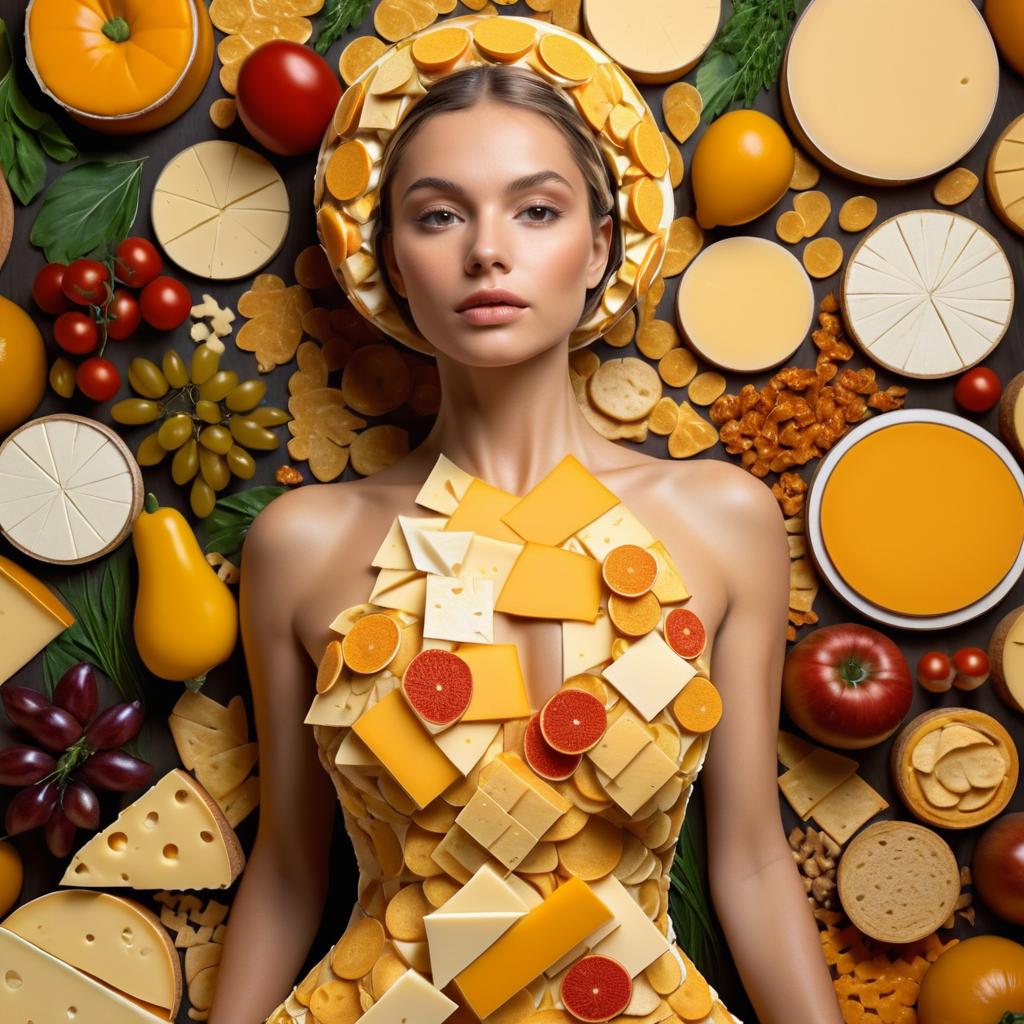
[(741, 167), (10, 877), (22, 366)]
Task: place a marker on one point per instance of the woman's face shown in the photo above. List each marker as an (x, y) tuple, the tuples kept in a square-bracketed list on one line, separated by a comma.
[(461, 221)]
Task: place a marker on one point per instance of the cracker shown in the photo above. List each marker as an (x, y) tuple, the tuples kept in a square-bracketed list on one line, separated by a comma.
[(813, 778), (625, 389), (851, 804), (706, 387), (677, 367), (655, 338), (585, 362), (792, 749), (606, 426)]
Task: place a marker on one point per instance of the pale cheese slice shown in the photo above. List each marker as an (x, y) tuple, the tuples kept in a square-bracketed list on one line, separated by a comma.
[(433, 549), (403, 590), (636, 941), (456, 940), (464, 743), (393, 552), (587, 645), (458, 609), (411, 998), (30, 617), (444, 487), (649, 674), (489, 557), (610, 529)]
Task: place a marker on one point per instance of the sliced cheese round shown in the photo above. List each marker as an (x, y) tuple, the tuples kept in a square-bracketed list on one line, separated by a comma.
[(1004, 175), (889, 92), (928, 293), (745, 304), (70, 489), (654, 40), (220, 210)]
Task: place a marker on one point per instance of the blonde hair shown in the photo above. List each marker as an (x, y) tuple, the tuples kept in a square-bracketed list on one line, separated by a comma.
[(517, 87)]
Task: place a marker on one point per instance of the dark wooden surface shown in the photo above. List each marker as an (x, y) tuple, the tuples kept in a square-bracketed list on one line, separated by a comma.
[(43, 872)]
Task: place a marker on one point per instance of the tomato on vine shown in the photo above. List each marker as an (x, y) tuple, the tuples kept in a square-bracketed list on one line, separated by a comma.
[(137, 262), (47, 291), (76, 333), (98, 378), (124, 315), (85, 282)]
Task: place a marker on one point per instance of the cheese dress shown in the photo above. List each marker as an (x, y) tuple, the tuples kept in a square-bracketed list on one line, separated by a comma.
[(481, 883)]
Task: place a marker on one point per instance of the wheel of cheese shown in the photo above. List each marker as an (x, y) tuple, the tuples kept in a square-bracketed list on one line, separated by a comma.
[(745, 304), (1006, 656), (1004, 175), (916, 519), (888, 93), (928, 293), (220, 210), (654, 40), (70, 490)]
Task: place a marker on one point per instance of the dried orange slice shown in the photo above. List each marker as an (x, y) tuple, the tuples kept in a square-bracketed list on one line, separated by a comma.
[(348, 170), (438, 685), (685, 633), (573, 721), (629, 570), (596, 988), (330, 667), (547, 762), (634, 616), (371, 643), (698, 705)]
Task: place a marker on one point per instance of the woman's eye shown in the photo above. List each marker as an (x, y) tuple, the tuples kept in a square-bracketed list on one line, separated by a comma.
[(546, 209), (425, 217)]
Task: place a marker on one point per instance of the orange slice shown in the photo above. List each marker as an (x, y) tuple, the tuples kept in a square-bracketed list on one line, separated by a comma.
[(629, 570), (371, 643)]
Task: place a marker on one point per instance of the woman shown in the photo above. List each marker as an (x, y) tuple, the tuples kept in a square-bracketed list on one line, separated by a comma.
[(494, 182)]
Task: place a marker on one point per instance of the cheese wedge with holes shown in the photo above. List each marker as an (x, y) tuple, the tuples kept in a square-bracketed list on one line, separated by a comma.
[(30, 617)]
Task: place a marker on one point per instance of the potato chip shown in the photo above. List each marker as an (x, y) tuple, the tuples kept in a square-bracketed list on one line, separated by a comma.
[(593, 851), (692, 434), (386, 971), (955, 186), (376, 380), (655, 338), (676, 166), (626, 389), (664, 416), (358, 56), (358, 949), (312, 270), (681, 106), (805, 173), (815, 208), (822, 257), (857, 213), (275, 316), (622, 331), (609, 428), (404, 916), (790, 227), (312, 371), (377, 448), (677, 368), (398, 19), (685, 240), (322, 430), (706, 387), (223, 112), (585, 361)]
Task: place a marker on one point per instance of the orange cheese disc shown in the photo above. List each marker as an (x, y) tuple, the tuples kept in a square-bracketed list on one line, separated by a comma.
[(566, 58), (504, 39), (348, 171), (371, 643), (436, 51), (646, 204), (921, 518), (346, 115), (647, 148), (339, 234)]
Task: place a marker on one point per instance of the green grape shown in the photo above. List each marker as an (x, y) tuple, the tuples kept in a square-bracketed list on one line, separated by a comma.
[(208, 412), (204, 364), (62, 377), (216, 439), (252, 435), (134, 411), (147, 378), (269, 416), (214, 468), (241, 463), (175, 431), (185, 463), (214, 389), (202, 497), (175, 369), (246, 396), (150, 451)]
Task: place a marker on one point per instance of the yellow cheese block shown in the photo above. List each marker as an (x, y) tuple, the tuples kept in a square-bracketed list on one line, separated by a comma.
[(116, 940), (564, 501), (499, 690), (481, 509), (534, 942), (30, 617), (393, 732), (552, 583)]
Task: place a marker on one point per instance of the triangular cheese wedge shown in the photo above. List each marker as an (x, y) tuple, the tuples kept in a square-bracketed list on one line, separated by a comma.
[(173, 837), (456, 940), (224, 771), (433, 549), (444, 487)]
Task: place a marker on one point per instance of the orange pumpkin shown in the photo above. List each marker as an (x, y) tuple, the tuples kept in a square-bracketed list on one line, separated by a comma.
[(974, 982), (120, 66)]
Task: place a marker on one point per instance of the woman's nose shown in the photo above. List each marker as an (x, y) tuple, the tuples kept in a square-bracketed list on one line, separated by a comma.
[(488, 242)]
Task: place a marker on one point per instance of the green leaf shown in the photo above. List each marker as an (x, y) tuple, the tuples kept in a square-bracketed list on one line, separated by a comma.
[(91, 206), (228, 523), (337, 18), (28, 171)]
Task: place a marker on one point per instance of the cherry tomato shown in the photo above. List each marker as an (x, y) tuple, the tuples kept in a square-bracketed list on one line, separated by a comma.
[(978, 390), (972, 668), (165, 303), (286, 96), (85, 282), (47, 291), (137, 262), (935, 672), (126, 315), (98, 379), (76, 333)]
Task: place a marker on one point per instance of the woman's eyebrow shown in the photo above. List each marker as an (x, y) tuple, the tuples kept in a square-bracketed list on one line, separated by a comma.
[(518, 185)]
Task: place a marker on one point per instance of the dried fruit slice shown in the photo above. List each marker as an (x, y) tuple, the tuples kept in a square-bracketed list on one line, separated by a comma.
[(596, 988), (634, 616), (438, 685), (698, 707), (573, 721), (371, 643), (685, 632), (629, 570), (547, 762)]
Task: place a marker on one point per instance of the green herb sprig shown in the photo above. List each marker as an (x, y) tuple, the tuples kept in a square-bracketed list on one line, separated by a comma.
[(25, 133), (228, 523), (337, 18), (746, 54)]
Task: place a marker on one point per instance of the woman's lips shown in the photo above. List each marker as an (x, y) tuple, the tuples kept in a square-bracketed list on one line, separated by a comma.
[(488, 314)]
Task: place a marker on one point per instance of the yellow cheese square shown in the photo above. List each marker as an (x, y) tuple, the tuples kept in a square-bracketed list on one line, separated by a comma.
[(616, 526), (481, 509), (552, 583), (30, 617), (393, 732), (483, 819), (513, 846), (587, 645), (669, 586), (641, 778), (622, 741), (558, 505), (499, 690)]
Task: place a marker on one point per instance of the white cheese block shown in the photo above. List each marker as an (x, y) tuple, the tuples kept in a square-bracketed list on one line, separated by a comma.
[(444, 487), (433, 549), (411, 998), (649, 674), (636, 942), (458, 609), (610, 529), (928, 293), (456, 940), (586, 645), (464, 743), (393, 552)]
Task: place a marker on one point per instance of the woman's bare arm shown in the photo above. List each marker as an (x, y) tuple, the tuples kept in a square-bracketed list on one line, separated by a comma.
[(278, 907), (755, 883)]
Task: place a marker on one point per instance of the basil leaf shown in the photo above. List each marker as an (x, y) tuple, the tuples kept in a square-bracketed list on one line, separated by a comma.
[(91, 206), (28, 169), (337, 18), (57, 145)]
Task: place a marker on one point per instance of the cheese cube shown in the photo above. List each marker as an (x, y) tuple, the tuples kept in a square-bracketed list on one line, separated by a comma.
[(458, 609), (30, 617), (483, 819), (552, 583), (513, 846), (649, 674)]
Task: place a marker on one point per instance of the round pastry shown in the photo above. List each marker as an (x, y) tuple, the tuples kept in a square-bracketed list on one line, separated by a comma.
[(346, 193)]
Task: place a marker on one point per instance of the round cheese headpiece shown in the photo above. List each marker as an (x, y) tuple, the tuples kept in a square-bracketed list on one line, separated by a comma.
[(346, 193)]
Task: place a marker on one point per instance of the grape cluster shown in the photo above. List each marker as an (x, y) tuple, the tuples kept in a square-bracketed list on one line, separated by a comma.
[(59, 792), (209, 419)]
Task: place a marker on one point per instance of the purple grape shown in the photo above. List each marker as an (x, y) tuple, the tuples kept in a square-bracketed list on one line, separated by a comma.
[(54, 727), (60, 833), (115, 726), (116, 770), (30, 808), (81, 805), (21, 703), (22, 765), (77, 692)]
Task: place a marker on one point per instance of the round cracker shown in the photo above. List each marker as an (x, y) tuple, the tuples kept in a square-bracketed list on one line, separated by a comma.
[(593, 852), (621, 332), (377, 448), (404, 915), (625, 389), (358, 949), (656, 338), (336, 1002)]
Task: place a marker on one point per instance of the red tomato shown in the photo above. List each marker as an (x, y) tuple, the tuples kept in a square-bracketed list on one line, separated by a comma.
[(125, 315), (137, 262), (165, 303), (46, 289), (76, 333), (978, 390), (85, 282), (972, 668), (286, 96), (98, 379), (935, 672)]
